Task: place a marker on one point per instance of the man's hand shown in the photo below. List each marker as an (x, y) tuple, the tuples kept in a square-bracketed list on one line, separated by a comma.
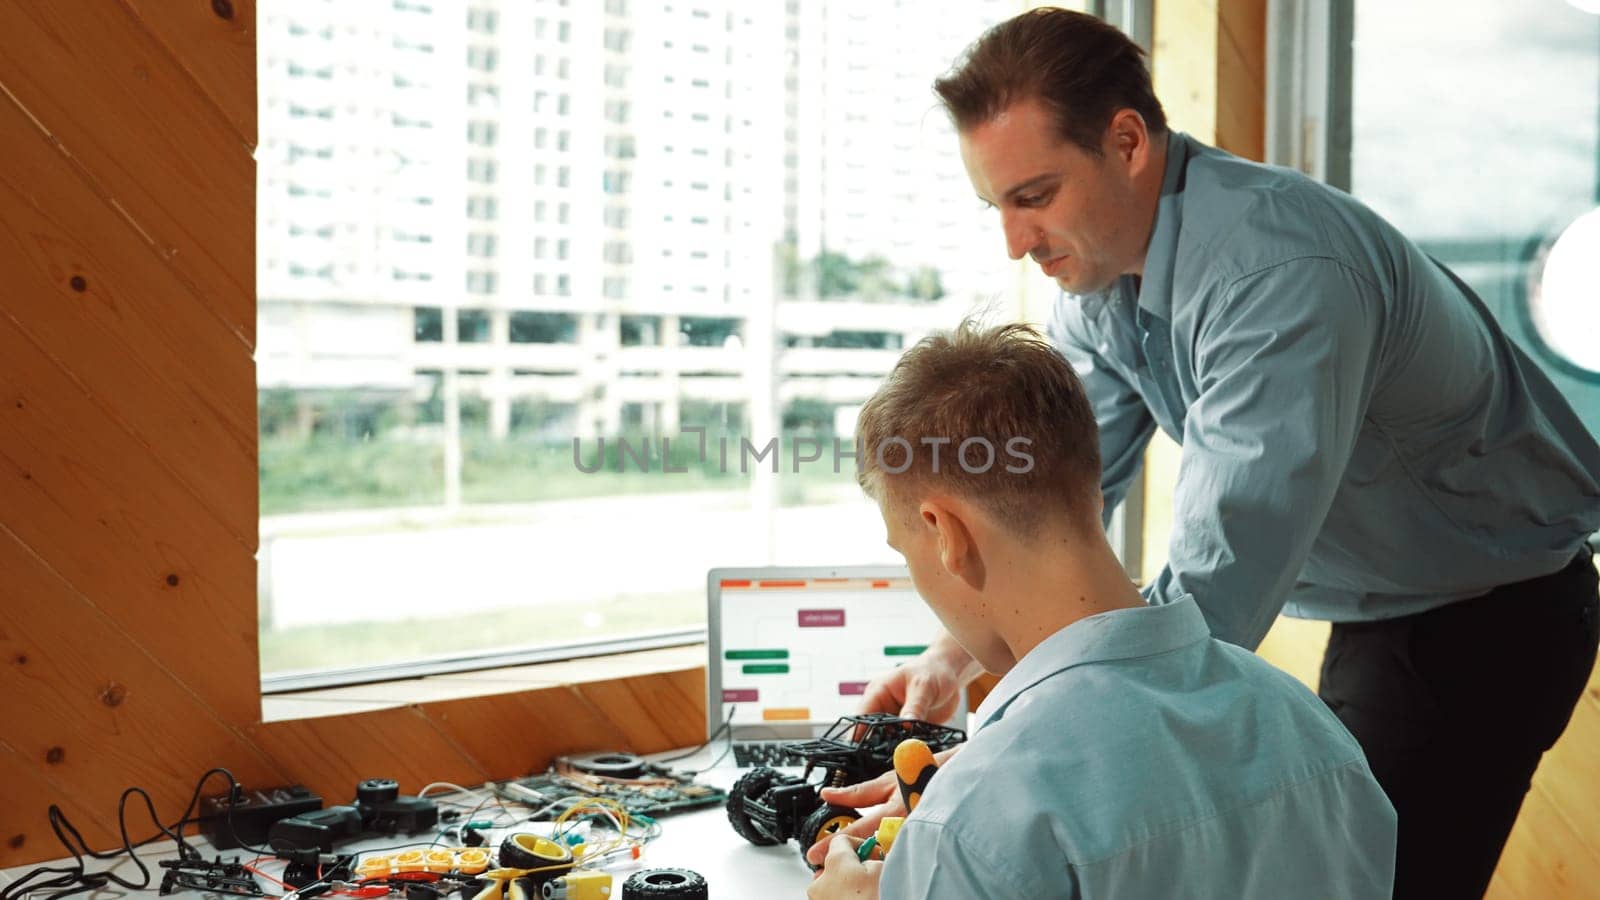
[(844, 876), (881, 794), (928, 687)]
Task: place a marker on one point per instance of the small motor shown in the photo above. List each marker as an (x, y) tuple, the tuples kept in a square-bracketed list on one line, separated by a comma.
[(581, 884)]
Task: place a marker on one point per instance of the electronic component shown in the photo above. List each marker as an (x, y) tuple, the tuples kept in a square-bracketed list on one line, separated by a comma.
[(378, 808), (655, 791), (216, 876), (244, 817), (583, 884)]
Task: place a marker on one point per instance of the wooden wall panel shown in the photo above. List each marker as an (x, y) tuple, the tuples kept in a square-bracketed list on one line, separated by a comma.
[(215, 42), (25, 834), (95, 506), (68, 671), (520, 733), (331, 755), (656, 713), (145, 137), (87, 290)]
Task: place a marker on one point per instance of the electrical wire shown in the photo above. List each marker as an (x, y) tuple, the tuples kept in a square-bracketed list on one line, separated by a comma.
[(725, 726), (77, 878)]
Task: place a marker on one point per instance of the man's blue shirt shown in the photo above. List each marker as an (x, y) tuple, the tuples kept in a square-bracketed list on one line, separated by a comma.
[(1360, 438)]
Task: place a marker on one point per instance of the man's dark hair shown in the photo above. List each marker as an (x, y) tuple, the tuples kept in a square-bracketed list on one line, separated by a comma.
[(1080, 68)]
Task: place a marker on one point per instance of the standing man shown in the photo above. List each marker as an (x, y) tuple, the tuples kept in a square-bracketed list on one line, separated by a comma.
[(1361, 441)]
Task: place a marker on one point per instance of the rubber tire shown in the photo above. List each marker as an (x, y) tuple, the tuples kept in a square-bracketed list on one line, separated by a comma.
[(816, 826), (750, 786), (665, 884)]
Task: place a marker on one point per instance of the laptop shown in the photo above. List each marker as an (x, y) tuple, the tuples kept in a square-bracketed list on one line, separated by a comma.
[(792, 649)]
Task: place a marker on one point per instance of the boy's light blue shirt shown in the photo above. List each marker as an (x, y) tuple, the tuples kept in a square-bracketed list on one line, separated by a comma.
[(1131, 755), (1360, 438)]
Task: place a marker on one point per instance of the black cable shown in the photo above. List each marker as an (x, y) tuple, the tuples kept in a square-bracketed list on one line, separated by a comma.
[(78, 879), (727, 725)]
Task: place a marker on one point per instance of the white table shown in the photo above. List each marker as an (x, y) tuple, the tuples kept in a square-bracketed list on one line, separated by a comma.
[(701, 840)]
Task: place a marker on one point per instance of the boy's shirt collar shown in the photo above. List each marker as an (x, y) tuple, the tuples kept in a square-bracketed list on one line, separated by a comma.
[(1108, 636)]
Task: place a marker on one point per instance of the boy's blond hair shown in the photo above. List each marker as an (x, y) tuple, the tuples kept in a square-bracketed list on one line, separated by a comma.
[(997, 394)]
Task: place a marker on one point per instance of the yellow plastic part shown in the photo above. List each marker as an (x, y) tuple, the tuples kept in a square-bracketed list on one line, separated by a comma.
[(582, 884), (408, 861), (546, 850), (888, 830), (438, 861), (373, 867), (472, 861)]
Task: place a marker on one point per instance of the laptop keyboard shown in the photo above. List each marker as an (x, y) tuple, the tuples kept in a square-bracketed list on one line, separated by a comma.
[(747, 754)]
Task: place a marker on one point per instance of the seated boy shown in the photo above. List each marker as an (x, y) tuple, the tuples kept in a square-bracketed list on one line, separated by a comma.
[(1125, 753)]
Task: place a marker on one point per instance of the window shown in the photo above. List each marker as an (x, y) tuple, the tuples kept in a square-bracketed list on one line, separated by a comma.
[(641, 331), (427, 324), (472, 325), (481, 245), (385, 302), (1477, 202), (484, 59), (543, 328), (481, 283)]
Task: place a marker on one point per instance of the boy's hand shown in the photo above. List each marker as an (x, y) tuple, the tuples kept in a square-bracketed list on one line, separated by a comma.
[(881, 794), (844, 876)]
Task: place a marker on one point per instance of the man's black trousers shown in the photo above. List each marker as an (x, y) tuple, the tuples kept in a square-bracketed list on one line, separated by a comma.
[(1455, 706)]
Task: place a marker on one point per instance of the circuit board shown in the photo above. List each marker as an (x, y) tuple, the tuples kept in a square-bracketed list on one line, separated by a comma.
[(655, 791)]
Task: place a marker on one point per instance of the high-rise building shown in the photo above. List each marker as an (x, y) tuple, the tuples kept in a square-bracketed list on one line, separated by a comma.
[(581, 217), (359, 190)]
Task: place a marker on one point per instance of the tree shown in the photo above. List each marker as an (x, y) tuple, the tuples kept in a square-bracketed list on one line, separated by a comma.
[(925, 283)]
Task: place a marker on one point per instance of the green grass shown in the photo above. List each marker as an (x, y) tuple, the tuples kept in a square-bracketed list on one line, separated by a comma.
[(367, 643), (326, 473)]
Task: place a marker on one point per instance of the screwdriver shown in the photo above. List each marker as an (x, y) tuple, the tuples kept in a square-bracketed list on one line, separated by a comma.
[(914, 767)]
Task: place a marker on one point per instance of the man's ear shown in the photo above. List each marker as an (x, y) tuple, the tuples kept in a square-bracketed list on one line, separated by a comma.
[(958, 552), (1129, 138)]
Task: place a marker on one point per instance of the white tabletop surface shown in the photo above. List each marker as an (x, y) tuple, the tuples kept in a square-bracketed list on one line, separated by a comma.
[(701, 840)]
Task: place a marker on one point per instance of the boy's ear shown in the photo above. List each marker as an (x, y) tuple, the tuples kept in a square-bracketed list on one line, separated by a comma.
[(958, 553)]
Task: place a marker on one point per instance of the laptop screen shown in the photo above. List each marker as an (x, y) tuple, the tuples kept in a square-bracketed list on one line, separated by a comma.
[(793, 649)]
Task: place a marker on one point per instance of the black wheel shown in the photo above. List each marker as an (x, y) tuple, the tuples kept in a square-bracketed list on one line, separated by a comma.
[(665, 884), (823, 821), (750, 786)]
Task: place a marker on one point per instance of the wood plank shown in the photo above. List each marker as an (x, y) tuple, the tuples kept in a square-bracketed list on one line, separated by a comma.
[(1545, 857), (654, 713), (1183, 65), (1241, 82), (101, 512), (1569, 774), (517, 734), (86, 289), (331, 755), (25, 835), (150, 142), (215, 43), (85, 707)]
